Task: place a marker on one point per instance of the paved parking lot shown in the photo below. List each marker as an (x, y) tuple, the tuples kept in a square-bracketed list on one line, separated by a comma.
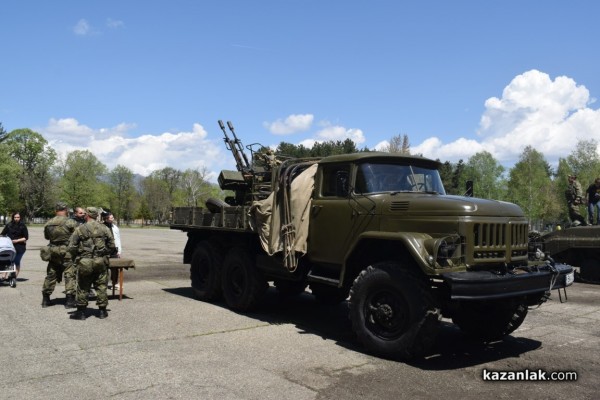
[(161, 343)]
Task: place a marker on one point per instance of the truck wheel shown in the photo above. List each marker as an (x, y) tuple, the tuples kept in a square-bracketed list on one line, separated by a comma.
[(205, 272), (243, 284), (393, 312), (490, 320), (328, 295)]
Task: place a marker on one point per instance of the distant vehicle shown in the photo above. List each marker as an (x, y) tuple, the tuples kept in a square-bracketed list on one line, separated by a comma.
[(577, 246), (375, 228)]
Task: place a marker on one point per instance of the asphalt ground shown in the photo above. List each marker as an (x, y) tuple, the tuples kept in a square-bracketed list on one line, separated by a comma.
[(161, 343)]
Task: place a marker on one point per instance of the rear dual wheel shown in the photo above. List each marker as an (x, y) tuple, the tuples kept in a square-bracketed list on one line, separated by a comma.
[(205, 272), (242, 283)]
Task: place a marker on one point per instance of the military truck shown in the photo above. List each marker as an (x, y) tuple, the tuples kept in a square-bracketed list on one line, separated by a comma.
[(375, 229), (577, 246)]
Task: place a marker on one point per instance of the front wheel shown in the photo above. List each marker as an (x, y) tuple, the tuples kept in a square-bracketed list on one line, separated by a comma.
[(392, 312), (489, 320)]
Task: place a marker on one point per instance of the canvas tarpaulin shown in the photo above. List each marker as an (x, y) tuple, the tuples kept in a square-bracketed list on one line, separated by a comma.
[(268, 217)]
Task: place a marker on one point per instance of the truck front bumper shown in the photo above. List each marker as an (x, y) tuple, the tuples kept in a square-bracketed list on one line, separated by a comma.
[(488, 285)]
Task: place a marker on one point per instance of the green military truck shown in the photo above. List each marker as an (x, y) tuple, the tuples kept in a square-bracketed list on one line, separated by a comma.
[(577, 246), (375, 229)]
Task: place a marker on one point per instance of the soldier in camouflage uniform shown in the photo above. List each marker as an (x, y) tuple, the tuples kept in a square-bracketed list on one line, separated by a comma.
[(78, 219), (90, 246), (58, 231), (574, 195)]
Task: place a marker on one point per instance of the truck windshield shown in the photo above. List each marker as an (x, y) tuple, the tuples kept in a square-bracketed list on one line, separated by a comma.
[(381, 177)]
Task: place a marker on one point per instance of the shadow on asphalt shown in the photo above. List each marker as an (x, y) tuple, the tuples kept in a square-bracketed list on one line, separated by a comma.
[(453, 350)]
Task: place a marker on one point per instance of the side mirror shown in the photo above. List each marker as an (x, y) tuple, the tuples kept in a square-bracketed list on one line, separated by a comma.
[(469, 189)]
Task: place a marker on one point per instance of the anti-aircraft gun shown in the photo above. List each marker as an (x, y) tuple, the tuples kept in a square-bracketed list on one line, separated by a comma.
[(375, 229), (252, 180)]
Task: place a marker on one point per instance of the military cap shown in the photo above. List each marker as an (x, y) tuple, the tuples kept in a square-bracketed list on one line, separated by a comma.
[(61, 205), (92, 212)]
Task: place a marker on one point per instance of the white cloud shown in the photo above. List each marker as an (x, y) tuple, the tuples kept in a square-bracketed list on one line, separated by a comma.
[(381, 146), (143, 154), (340, 133), (82, 27), (114, 23), (308, 143), (534, 110), (292, 124)]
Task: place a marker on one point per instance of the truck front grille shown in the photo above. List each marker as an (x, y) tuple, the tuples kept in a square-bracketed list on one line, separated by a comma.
[(498, 242)]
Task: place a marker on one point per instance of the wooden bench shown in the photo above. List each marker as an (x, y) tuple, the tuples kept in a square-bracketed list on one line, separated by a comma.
[(119, 264)]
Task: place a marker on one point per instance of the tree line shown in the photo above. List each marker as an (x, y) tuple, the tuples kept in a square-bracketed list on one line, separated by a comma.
[(33, 177)]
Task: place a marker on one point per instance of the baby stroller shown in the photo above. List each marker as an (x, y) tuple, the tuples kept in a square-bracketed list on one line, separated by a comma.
[(7, 255)]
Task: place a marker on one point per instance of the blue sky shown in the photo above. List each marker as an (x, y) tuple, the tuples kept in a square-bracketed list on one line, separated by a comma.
[(142, 84)]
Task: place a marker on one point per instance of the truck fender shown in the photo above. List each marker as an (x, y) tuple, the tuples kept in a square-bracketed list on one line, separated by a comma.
[(417, 244)]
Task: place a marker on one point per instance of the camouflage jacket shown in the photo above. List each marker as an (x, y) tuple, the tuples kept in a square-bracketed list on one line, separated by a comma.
[(92, 240), (574, 192), (59, 230)]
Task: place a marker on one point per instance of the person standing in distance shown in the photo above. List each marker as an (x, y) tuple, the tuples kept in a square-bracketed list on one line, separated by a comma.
[(58, 231), (574, 195), (593, 201), (91, 244), (17, 231), (109, 221)]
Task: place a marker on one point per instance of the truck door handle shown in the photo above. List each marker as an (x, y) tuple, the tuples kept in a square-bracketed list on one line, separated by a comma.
[(315, 210)]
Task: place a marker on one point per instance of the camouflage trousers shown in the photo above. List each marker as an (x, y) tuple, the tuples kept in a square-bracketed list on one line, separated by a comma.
[(54, 275), (92, 272), (575, 213)]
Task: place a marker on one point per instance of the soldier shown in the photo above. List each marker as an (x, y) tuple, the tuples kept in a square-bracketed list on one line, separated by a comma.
[(574, 195), (79, 215), (90, 246), (58, 231), (78, 218)]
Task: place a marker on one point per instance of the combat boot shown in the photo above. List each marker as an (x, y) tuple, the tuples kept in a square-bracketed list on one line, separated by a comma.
[(70, 301), (79, 314), (103, 313), (46, 302)]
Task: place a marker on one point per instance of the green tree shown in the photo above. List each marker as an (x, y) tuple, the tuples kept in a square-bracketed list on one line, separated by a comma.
[(486, 173), (36, 159), (143, 212), (155, 193), (194, 187), (123, 192), (457, 186), (83, 181), (319, 149), (3, 133), (9, 178), (398, 144), (530, 186)]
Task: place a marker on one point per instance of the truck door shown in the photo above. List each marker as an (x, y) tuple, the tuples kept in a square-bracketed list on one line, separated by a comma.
[(334, 220)]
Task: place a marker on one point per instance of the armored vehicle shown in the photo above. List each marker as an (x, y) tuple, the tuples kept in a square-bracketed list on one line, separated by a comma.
[(375, 229), (576, 246)]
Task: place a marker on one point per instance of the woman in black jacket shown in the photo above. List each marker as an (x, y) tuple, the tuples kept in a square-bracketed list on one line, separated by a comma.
[(17, 231)]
